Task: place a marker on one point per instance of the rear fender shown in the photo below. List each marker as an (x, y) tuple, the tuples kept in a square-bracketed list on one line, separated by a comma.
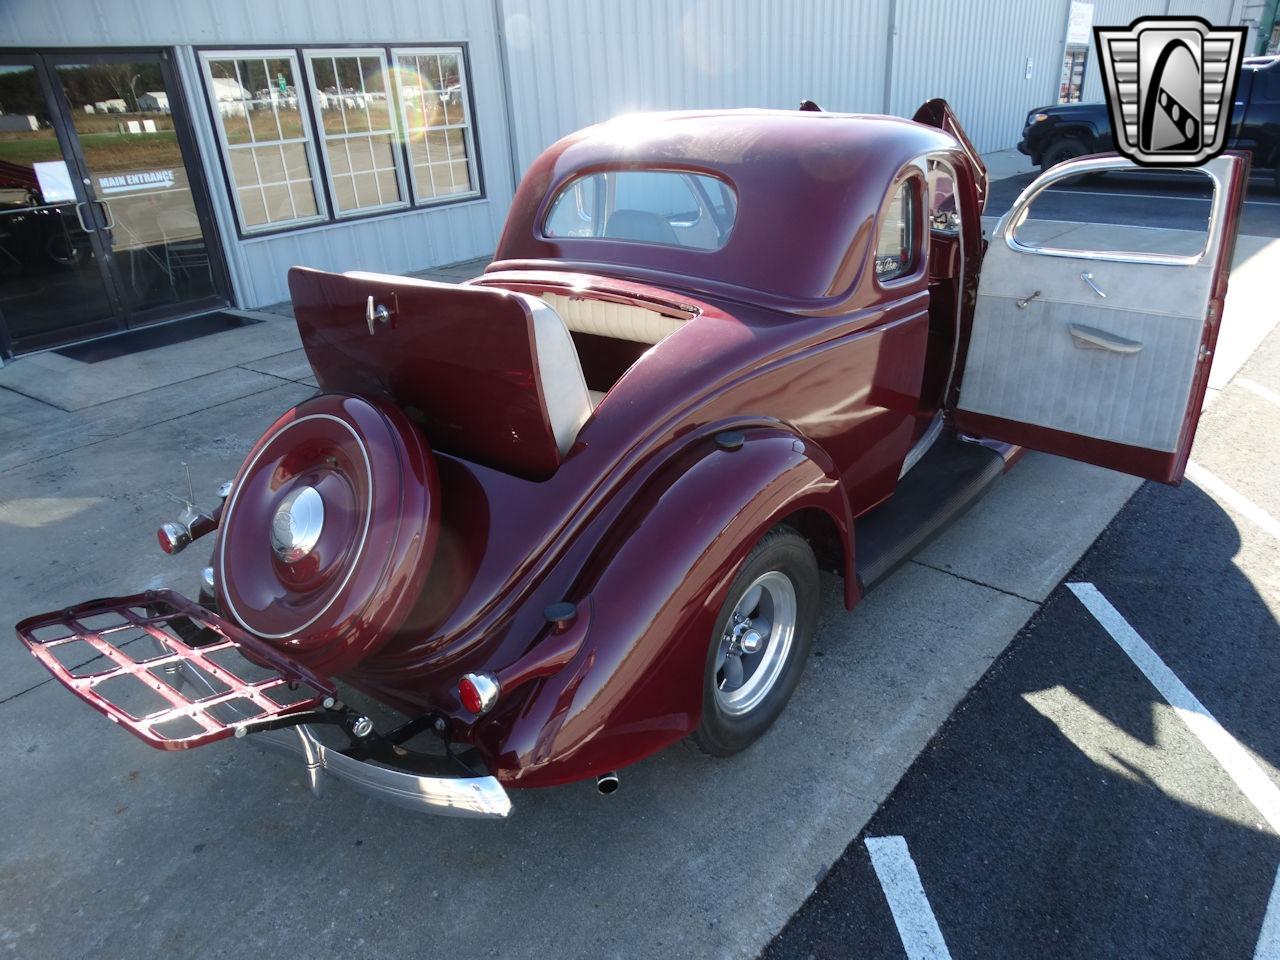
[(655, 587)]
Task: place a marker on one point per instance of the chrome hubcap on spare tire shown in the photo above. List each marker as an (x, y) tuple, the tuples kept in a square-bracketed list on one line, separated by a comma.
[(756, 643), (296, 526)]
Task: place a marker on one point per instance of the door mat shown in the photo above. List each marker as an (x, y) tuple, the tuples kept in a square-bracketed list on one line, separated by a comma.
[(159, 335)]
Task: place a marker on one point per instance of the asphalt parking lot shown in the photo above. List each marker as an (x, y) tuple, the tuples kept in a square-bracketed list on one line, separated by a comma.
[(1074, 805), (111, 849)]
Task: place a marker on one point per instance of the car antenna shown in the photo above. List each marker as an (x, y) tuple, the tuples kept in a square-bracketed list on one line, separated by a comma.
[(810, 106)]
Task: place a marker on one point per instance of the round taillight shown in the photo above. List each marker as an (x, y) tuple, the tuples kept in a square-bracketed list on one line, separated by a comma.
[(478, 692)]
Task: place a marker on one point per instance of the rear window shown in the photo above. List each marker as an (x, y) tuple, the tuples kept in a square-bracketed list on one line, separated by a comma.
[(669, 208)]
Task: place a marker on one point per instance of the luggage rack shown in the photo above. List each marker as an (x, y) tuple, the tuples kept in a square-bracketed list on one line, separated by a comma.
[(134, 660)]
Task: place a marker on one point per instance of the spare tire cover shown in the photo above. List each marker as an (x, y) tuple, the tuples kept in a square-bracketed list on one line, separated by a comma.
[(328, 533)]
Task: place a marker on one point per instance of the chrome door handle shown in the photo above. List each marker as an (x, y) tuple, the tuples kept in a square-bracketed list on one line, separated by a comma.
[(108, 215), (1087, 277), (80, 216), (375, 312), (1091, 338), (1023, 301)]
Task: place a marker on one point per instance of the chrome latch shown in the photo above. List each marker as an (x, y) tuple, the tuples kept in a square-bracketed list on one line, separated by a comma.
[(375, 312), (1023, 301), (1087, 277)]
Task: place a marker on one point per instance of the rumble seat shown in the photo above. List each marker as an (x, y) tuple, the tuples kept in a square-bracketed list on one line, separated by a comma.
[(618, 321), (490, 375), (564, 389)]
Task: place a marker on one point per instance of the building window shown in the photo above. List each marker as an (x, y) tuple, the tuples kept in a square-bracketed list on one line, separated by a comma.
[(352, 101), (264, 133), (896, 241), (437, 122), (376, 145)]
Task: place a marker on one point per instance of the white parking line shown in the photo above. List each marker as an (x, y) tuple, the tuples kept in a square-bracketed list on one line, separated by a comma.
[(1233, 498), (1253, 782), (1269, 939), (917, 926), (1259, 390)]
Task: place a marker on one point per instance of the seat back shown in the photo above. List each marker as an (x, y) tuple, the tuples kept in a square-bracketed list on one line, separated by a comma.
[(617, 321), (489, 374)]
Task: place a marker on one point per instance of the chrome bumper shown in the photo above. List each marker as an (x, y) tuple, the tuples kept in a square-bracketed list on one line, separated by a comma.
[(447, 796)]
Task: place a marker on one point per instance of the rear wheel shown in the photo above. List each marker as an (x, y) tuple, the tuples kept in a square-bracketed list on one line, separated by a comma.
[(760, 643), (1060, 151)]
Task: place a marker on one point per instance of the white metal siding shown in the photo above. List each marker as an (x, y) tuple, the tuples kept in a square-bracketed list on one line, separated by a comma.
[(975, 56), (576, 62), (397, 243)]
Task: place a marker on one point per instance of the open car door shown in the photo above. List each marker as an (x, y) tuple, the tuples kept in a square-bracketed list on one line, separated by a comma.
[(1088, 345), (938, 113)]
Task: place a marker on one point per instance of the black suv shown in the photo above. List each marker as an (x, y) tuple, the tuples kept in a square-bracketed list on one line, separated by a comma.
[(1069, 130)]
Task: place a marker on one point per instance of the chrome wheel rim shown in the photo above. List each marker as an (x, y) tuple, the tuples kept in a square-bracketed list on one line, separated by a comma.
[(756, 643)]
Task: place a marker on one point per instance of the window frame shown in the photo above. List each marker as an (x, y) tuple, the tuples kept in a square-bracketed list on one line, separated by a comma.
[(309, 56), (468, 125), (225, 147), (1017, 215), (319, 168), (916, 184)]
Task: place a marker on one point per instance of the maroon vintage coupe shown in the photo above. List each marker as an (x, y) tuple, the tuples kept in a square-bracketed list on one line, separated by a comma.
[(574, 510)]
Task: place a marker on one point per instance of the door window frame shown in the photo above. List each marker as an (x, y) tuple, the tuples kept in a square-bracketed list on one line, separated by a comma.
[(1017, 216)]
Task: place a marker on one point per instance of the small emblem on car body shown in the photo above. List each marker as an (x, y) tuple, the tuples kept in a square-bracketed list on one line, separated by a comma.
[(1170, 83)]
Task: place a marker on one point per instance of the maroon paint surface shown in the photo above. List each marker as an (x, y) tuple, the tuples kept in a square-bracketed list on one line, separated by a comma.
[(342, 601), (460, 359), (788, 338)]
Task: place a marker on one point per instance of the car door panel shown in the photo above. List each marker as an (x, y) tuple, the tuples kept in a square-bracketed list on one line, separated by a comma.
[(1094, 354)]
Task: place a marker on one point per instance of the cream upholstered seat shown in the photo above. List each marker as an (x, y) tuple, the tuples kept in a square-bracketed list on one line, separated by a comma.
[(618, 321), (568, 401)]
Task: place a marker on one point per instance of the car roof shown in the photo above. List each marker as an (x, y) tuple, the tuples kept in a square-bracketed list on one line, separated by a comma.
[(808, 183)]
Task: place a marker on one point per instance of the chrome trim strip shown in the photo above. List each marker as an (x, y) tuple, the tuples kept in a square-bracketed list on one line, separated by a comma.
[(931, 433), (475, 797), (1010, 222)]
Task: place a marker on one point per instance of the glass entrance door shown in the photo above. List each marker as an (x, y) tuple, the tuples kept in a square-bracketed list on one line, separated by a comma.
[(52, 285), (104, 163)]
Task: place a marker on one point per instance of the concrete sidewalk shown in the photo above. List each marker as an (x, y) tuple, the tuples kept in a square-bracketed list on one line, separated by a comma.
[(206, 854)]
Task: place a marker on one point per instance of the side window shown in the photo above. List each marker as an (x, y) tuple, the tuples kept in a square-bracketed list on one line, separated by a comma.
[(1271, 83), (944, 215), (1052, 220), (894, 248)]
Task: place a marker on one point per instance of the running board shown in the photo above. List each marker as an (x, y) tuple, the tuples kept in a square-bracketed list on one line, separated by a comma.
[(936, 492)]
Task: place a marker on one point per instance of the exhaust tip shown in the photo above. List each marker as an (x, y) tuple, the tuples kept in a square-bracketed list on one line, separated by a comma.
[(607, 783)]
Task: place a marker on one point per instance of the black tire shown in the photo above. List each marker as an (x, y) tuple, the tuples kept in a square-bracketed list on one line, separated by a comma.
[(1060, 151), (781, 550)]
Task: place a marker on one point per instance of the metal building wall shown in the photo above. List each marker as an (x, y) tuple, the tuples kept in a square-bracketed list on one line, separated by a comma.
[(395, 243), (1123, 12), (974, 53), (575, 62)]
